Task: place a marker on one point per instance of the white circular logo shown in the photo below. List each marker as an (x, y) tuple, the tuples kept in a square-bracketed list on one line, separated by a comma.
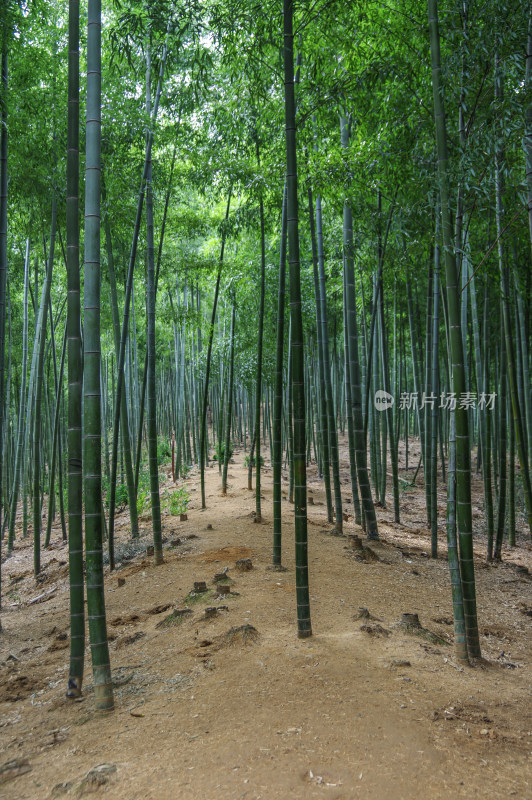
[(383, 400)]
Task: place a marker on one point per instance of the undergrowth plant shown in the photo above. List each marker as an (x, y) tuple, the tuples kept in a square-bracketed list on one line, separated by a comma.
[(178, 501)]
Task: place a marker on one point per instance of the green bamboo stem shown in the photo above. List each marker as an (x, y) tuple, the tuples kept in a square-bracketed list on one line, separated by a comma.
[(331, 425), (258, 388), (55, 443), (203, 431), (227, 446), (486, 432), (435, 389), (298, 397), (503, 472), (151, 415), (20, 432), (460, 640), (278, 395), (40, 335), (323, 426), (389, 412), (124, 416), (463, 454), (3, 264), (527, 138), (92, 472), (75, 368), (354, 366)]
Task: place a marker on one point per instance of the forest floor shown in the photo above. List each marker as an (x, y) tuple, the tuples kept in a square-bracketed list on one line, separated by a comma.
[(207, 709)]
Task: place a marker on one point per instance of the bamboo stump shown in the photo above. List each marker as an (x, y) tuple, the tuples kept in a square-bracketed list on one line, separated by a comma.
[(222, 576), (243, 565), (356, 543), (410, 622)]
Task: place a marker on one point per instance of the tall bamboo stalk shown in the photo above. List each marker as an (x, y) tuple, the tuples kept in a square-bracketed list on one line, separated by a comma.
[(203, 434), (3, 260), (304, 627), (323, 421), (463, 455), (22, 400), (40, 336), (258, 386), (372, 531), (92, 472), (124, 416), (278, 394), (75, 368), (151, 415), (227, 446), (435, 390)]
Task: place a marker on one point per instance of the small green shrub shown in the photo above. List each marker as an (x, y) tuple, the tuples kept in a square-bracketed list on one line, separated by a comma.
[(143, 500), (164, 453), (253, 461), (121, 497), (179, 501), (220, 452), (144, 479), (184, 470)]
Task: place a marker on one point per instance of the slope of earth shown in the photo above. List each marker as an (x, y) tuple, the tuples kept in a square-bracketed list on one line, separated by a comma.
[(234, 705)]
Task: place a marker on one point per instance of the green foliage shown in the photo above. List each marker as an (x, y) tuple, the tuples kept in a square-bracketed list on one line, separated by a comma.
[(253, 461), (164, 453), (192, 598), (143, 500), (121, 495), (122, 498), (178, 501), (185, 470), (220, 452)]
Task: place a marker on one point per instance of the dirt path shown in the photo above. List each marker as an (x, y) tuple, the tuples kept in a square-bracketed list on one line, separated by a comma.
[(203, 712)]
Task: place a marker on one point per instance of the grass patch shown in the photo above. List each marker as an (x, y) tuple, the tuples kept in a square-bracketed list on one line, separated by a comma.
[(175, 618), (193, 599)]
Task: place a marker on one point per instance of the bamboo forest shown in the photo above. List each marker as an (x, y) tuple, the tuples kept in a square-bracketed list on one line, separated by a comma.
[(266, 399)]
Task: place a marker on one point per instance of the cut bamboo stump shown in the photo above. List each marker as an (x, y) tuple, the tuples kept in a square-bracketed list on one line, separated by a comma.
[(356, 543), (360, 552), (411, 624), (410, 621)]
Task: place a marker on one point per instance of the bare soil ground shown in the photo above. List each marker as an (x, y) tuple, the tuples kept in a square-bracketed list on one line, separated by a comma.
[(235, 706)]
